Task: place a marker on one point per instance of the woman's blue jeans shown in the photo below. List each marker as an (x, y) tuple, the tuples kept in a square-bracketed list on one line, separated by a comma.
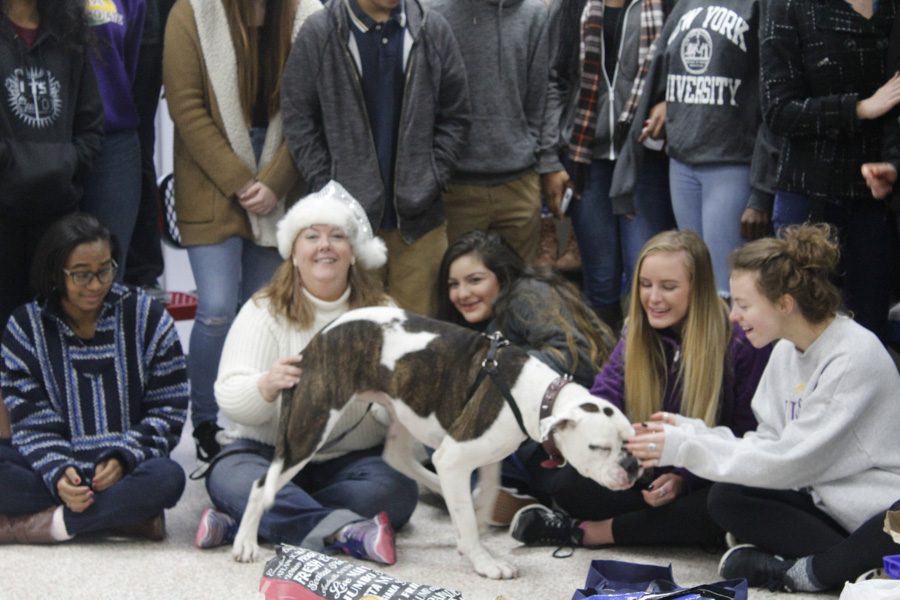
[(320, 499), (710, 200), (140, 495), (610, 243), (226, 274)]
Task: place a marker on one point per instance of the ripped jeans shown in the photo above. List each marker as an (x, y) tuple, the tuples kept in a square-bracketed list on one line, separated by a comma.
[(226, 274)]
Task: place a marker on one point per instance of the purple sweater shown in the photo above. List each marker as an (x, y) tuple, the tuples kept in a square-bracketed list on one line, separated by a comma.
[(118, 26), (744, 365)]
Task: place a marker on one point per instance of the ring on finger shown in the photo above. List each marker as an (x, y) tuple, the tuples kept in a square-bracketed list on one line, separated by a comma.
[(651, 446)]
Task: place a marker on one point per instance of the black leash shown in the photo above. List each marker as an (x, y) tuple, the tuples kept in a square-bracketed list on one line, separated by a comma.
[(489, 368)]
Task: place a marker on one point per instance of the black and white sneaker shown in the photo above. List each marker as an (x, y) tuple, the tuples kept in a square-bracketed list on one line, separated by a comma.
[(205, 441), (872, 574), (759, 568), (537, 525)]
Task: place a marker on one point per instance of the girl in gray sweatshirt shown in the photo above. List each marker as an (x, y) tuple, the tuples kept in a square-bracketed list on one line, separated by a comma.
[(809, 488)]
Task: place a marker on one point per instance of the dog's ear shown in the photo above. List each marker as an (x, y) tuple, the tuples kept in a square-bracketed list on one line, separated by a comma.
[(560, 420)]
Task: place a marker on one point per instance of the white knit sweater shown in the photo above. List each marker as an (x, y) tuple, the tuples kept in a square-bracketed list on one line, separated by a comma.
[(255, 341)]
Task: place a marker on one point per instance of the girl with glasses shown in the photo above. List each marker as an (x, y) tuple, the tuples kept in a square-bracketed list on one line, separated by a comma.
[(96, 385)]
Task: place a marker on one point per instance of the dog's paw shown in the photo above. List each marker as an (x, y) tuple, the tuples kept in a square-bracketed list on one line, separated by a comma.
[(490, 567), (245, 552)]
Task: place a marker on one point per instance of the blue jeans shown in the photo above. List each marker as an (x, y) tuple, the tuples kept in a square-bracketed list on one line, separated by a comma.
[(609, 243), (710, 199), (226, 274), (140, 495), (868, 260), (112, 190), (789, 208), (321, 499)]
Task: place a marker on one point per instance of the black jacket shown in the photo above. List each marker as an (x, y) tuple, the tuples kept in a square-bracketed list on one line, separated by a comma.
[(328, 133), (51, 124), (818, 58)]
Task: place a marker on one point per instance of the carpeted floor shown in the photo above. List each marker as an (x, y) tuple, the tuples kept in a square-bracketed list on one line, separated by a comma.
[(99, 569)]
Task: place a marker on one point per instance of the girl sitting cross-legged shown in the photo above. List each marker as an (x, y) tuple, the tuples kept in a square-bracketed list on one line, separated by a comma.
[(807, 491), (346, 498), (96, 386), (680, 354)]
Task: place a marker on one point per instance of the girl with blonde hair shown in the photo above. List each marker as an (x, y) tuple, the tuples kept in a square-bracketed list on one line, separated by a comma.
[(347, 498), (807, 491), (679, 354)]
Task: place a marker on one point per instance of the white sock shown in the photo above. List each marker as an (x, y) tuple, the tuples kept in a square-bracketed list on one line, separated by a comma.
[(58, 529)]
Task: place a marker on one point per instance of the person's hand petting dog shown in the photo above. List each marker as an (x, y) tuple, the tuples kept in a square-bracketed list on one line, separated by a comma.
[(72, 491), (650, 439), (284, 374)]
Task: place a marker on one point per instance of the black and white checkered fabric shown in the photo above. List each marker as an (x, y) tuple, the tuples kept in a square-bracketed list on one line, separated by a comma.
[(170, 222)]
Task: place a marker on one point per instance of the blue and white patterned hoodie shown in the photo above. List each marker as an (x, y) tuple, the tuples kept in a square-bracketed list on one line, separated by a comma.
[(76, 402)]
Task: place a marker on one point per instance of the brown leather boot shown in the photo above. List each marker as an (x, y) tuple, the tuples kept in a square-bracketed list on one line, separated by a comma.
[(571, 257), (5, 431), (548, 246), (27, 529), (153, 529)]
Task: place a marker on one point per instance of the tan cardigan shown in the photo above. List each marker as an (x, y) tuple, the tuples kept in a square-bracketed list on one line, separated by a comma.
[(212, 154)]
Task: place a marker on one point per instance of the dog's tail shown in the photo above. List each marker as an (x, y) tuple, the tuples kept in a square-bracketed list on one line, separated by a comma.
[(271, 482)]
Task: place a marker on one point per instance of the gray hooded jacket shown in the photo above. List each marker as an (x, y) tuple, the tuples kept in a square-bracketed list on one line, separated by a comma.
[(327, 130)]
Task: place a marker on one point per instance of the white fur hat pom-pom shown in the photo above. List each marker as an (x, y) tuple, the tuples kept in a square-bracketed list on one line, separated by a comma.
[(333, 205)]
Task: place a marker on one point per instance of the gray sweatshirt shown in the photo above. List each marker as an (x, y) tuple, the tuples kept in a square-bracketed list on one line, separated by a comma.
[(505, 49), (829, 423), (710, 81)]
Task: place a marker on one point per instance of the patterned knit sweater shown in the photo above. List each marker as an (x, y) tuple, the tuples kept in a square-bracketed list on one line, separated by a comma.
[(76, 402)]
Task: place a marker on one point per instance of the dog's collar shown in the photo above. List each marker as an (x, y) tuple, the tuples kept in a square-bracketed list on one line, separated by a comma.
[(555, 459)]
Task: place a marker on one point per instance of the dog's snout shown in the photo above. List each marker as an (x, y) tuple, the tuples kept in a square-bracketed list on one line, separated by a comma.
[(631, 466)]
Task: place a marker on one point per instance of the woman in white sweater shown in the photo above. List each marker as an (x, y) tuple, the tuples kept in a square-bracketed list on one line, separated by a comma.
[(807, 491), (347, 498)]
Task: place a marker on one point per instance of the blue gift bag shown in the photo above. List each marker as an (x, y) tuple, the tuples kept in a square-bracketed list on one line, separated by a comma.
[(619, 580)]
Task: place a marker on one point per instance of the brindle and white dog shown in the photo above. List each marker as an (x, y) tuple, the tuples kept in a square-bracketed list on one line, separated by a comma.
[(421, 370)]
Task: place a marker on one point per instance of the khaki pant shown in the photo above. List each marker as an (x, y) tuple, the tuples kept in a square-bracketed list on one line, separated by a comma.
[(411, 273), (511, 209)]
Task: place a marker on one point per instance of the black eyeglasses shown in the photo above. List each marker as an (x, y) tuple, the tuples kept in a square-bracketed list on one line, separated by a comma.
[(84, 278)]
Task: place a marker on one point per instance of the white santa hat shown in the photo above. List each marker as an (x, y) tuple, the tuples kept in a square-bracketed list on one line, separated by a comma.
[(333, 205)]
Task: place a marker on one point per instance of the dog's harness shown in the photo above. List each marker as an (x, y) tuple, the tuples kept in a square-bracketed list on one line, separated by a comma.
[(555, 459), (489, 368)]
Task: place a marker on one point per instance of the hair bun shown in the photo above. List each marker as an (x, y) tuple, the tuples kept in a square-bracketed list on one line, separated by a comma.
[(812, 247)]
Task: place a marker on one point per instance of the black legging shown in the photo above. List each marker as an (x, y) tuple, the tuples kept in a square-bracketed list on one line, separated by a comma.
[(787, 523), (683, 521)]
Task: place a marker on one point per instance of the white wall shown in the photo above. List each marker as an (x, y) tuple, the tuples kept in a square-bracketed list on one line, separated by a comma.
[(177, 274)]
